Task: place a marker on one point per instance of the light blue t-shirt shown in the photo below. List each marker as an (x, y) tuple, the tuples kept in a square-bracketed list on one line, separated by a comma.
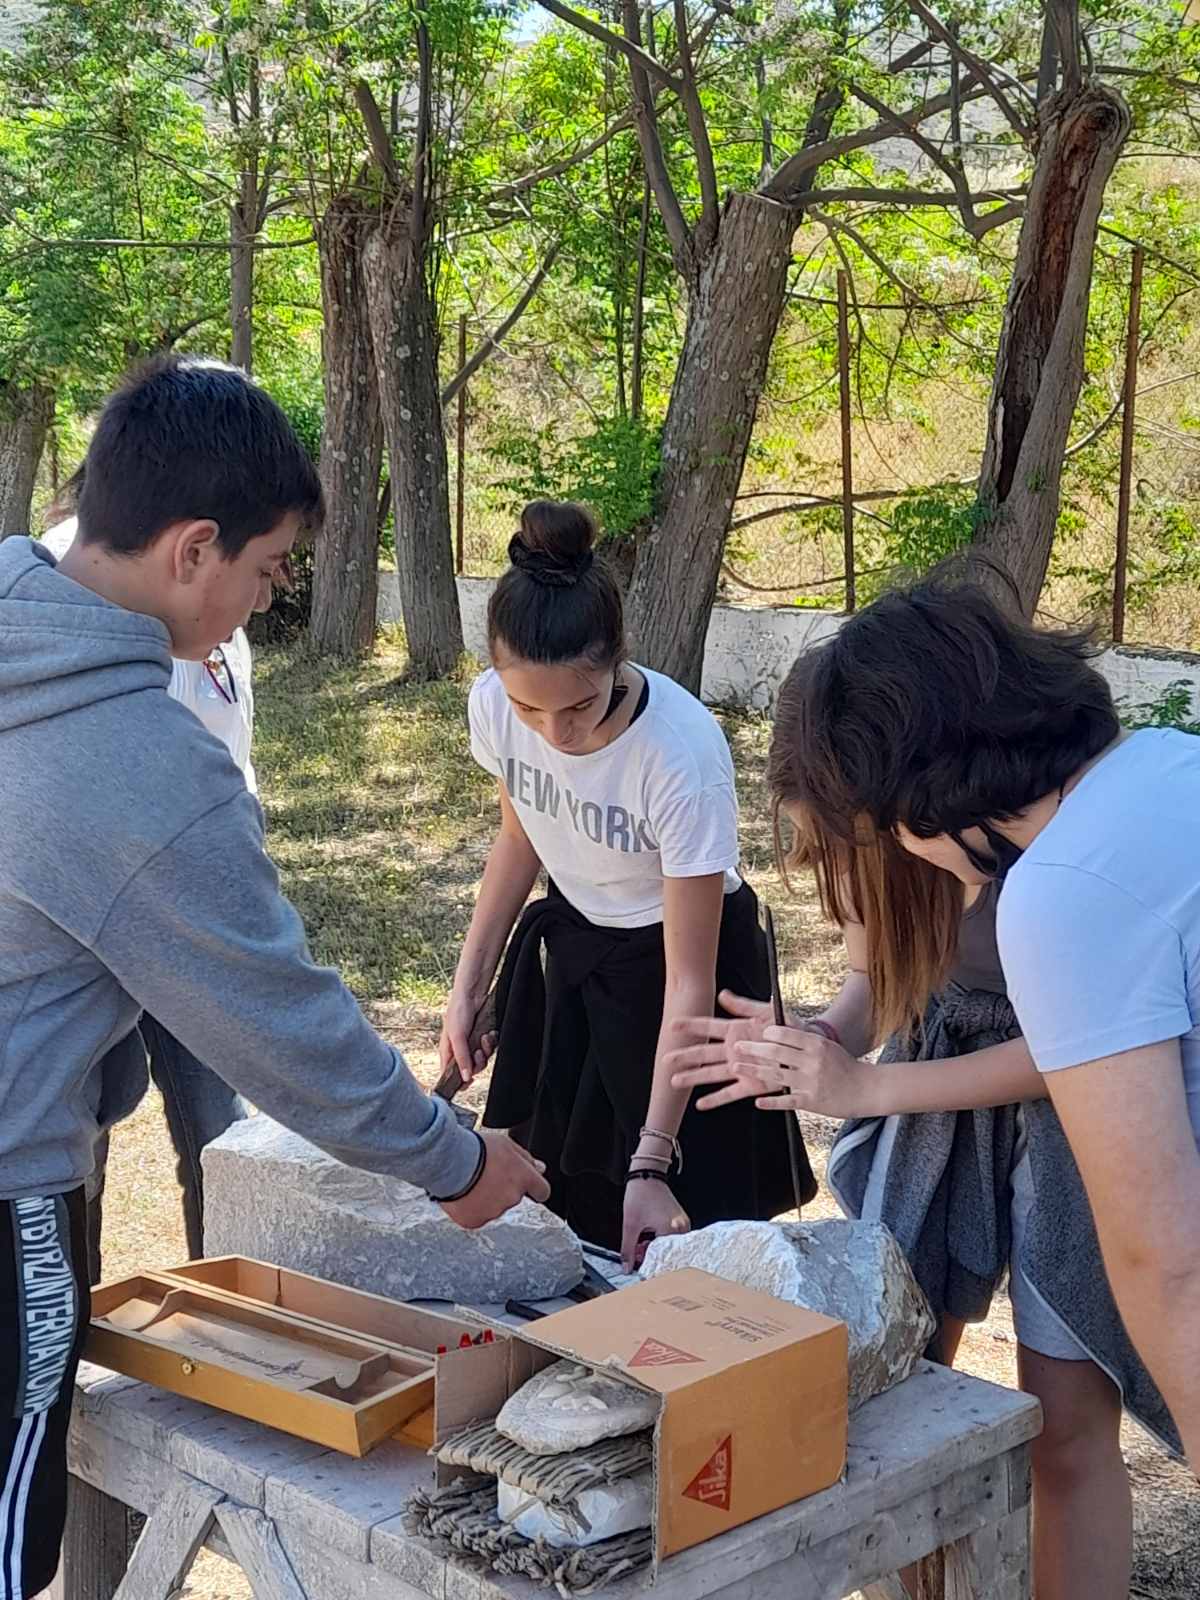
[(1099, 922)]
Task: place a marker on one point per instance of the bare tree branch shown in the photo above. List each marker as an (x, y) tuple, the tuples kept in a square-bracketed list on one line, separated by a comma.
[(828, 101), (764, 116), (821, 502), (944, 164), (510, 191), (653, 157), (1152, 250), (1047, 60), (422, 140), (153, 244), (788, 588), (980, 69), (912, 296), (1114, 70), (809, 157), (910, 57), (494, 340), (997, 218), (902, 197), (627, 46), (377, 134), (710, 205), (1062, 19)]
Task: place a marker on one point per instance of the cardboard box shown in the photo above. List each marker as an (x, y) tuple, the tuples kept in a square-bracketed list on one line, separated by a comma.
[(754, 1393), (334, 1365)]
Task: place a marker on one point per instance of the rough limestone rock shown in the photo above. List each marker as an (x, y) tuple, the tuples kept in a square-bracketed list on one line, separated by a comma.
[(854, 1271), (272, 1195), (567, 1407)]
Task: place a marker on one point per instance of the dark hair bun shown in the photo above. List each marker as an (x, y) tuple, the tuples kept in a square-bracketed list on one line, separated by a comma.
[(554, 545), (557, 602)]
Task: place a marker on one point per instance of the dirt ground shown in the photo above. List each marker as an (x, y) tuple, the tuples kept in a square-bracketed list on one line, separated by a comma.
[(380, 826)]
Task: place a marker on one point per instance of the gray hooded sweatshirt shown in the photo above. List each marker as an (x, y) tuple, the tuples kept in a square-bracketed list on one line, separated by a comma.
[(133, 875)]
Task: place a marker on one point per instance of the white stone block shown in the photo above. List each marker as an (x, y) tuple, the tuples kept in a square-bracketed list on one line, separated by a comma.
[(270, 1194)]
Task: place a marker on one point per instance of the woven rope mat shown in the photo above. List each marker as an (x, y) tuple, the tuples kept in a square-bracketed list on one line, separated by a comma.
[(461, 1520), (559, 1479)]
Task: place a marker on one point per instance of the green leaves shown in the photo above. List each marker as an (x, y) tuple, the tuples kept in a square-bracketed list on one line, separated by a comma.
[(612, 468)]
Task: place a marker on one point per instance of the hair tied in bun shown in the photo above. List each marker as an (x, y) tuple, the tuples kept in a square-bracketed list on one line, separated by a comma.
[(552, 569)]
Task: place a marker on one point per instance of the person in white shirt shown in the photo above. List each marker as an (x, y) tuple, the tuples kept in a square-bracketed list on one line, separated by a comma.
[(620, 785), (199, 1106)]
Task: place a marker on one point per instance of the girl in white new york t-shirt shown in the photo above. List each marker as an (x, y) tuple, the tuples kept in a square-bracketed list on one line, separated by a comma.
[(620, 785)]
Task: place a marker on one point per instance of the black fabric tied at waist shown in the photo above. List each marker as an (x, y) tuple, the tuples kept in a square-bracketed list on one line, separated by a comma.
[(946, 1195), (578, 1036)]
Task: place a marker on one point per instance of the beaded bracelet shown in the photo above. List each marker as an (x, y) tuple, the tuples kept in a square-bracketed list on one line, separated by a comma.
[(667, 1138)]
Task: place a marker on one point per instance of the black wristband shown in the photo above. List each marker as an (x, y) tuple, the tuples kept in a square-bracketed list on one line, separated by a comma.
[(645, 1172), (448, 1199)]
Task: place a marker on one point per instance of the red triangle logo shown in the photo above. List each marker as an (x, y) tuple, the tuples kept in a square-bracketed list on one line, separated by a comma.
[(713, 1484), (654, 1353)]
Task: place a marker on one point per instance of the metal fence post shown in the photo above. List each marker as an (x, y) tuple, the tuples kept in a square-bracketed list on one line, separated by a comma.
[(1125, 483), (847, 441)]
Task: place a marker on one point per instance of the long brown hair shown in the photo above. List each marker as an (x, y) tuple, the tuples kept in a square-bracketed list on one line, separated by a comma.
[(910, 911)]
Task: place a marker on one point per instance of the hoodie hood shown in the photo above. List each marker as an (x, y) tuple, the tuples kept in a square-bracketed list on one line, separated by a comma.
[(63, 647)]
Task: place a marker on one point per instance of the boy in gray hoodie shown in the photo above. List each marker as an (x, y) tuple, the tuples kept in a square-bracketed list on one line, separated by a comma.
[(164, 899)]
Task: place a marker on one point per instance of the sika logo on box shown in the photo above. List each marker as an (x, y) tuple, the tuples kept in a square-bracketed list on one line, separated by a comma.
[(654, 1353), (713, 1484)]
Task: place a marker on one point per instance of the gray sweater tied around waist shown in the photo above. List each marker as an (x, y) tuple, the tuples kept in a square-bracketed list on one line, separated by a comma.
[(946, 1196)]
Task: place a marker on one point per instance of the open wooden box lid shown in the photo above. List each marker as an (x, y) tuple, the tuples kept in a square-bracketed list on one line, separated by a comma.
[(334, 1365)]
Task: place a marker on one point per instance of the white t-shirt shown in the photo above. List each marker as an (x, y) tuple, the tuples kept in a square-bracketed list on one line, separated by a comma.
[(226, 711), (658, 802), (1099, 922)]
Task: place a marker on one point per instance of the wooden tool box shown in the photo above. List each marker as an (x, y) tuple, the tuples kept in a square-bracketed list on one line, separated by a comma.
[(340, 1367)]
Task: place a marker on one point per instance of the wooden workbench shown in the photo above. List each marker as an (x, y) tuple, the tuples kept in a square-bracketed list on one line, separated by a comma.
[(938, 1468)]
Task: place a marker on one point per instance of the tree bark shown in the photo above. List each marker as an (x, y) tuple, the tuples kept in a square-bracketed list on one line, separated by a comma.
[(345, 568), (405, 340), (1039, 365), (242, 231), (732, 317), (25, 418)]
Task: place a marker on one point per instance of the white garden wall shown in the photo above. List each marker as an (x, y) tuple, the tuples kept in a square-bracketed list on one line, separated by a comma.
[(750, 649)]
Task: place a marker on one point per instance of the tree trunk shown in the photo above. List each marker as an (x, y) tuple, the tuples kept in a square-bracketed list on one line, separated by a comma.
[(242, 228), (1039, 365), (345, 569), (25, 418), (404, 336), (732, 317)]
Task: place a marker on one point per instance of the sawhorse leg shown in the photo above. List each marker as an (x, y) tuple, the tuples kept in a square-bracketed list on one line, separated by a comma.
[(96, 1545), (993, 1564), (102, 1562)]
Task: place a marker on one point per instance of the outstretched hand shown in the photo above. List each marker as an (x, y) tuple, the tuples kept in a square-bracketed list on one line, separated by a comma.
[(781, 1069)]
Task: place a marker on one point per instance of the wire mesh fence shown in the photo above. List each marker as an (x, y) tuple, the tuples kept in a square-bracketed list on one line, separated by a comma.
[(913, 468)]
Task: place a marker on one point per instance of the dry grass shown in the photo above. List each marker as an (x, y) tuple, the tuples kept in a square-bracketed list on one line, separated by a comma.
[(380, 825)]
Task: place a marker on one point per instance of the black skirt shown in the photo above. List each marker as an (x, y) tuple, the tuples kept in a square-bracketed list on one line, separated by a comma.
[(577, 1040)]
